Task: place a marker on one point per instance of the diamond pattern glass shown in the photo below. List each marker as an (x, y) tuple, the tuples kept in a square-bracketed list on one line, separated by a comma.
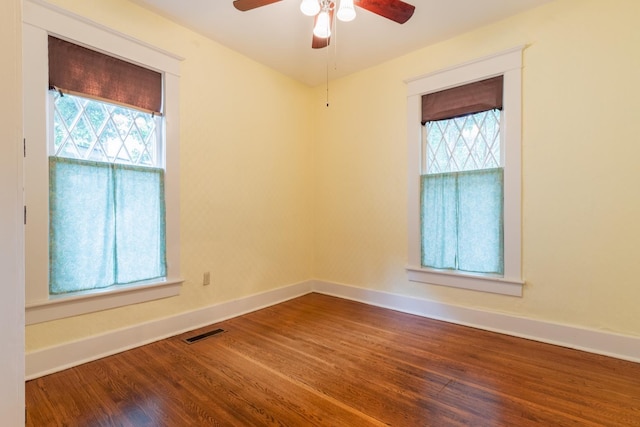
[(465, 143), (86, 129)]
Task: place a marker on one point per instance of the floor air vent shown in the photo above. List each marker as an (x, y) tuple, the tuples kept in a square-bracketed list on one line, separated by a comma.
[(203, 336)]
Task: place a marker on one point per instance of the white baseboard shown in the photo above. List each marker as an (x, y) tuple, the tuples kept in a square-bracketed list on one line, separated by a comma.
[(57, 358), (53, 359), (626, 347)]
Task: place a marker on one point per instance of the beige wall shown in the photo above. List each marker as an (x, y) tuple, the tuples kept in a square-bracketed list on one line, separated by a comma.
[(245, 176), (581, 145), (277, 188), (12, 301)]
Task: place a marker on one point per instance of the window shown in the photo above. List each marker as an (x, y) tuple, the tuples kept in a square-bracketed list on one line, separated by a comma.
[(461, 179), (106, 180), (106, 145), (464, 176)]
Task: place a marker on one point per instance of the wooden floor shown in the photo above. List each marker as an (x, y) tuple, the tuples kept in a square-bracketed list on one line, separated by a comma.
[(324, 361)]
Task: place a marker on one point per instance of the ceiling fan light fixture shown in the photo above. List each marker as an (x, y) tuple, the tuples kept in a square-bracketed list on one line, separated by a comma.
[(346, 12), (323, 25), (310, 7)]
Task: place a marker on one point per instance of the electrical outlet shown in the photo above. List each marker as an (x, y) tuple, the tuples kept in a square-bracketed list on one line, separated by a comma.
[(206, 279)]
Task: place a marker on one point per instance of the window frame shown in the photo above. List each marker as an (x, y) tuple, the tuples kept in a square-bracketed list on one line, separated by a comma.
[(40, 20), (509, 64)]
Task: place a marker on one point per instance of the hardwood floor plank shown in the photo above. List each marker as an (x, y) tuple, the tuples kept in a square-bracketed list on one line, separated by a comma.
[(323, 361)]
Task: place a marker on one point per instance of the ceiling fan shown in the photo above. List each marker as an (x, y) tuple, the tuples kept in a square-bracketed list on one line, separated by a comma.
[(323, 11)]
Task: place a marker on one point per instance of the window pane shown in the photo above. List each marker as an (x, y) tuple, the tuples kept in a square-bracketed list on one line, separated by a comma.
[(107, 221), (92, 130), (463, 143), (462, 194)]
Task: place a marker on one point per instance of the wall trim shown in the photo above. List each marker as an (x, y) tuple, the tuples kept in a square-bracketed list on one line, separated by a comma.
[(56, 358), (620, 346), (67, 355)]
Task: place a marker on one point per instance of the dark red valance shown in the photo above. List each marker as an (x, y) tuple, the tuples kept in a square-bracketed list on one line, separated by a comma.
[(463, 100), (78, 70)]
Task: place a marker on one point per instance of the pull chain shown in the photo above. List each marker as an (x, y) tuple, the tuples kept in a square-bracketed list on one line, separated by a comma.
[(334, 36), (327, 74)]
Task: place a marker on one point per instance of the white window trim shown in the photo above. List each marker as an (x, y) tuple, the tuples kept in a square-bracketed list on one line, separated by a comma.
[(508, 64), (39, 20)]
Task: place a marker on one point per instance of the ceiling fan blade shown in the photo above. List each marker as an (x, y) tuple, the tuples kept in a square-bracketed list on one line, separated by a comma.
[(245, 5), (320, 42), (396, 10)]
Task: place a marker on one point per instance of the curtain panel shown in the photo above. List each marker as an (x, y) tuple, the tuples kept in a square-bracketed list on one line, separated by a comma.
[(462, 221), (107, 225)]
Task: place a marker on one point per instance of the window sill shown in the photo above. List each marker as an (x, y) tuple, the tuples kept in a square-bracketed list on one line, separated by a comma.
[(61, 306), (476, 282)]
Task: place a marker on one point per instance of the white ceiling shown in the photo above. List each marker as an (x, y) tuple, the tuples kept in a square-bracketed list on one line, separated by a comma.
[(279, 35)]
